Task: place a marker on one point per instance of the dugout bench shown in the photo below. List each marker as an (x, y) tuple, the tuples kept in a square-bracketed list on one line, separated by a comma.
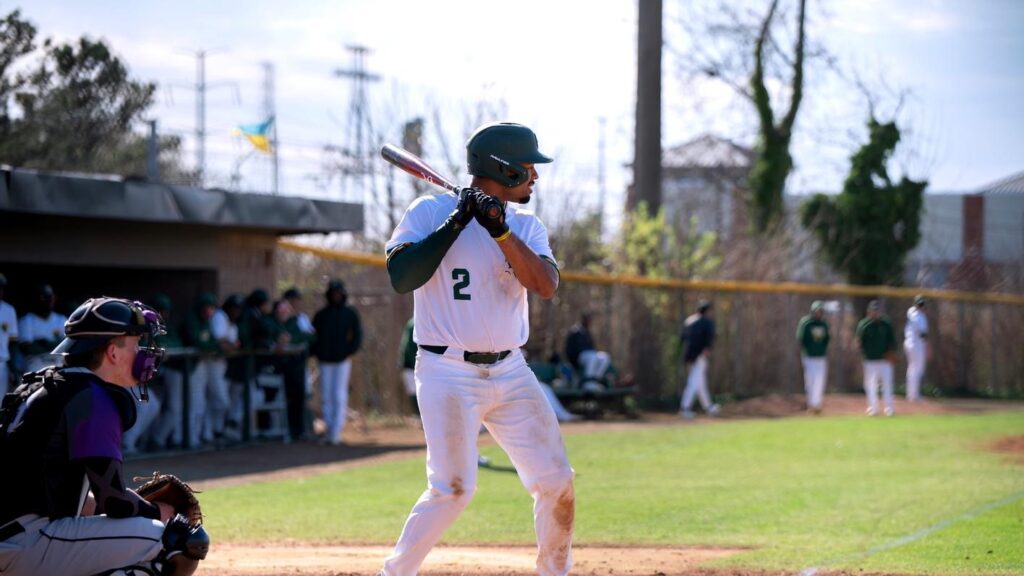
[(591, 399)]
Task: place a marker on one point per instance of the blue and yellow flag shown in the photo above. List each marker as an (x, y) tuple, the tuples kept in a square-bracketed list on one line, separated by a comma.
[(257, 134)]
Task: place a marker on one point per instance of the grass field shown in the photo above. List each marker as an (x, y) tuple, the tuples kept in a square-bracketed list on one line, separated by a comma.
[(914, 495)]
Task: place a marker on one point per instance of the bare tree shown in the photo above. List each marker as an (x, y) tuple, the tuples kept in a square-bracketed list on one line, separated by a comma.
[(751, 52)]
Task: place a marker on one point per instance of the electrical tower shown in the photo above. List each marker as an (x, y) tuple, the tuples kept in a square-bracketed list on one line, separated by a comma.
[(200, 87), (360, 143), (270, 113)]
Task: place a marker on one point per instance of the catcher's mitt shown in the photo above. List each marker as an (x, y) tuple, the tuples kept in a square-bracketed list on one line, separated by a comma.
[(171, 490)]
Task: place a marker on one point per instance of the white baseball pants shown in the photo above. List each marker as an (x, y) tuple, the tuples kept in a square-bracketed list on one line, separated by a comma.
[(218, 398), (697, 385), (148, 415), (916, 357), (204, 417), (79, 546), (815, 374), (878, 372), (455, 398), (594, 363), (334, 396), (3, 379), (169, 426)]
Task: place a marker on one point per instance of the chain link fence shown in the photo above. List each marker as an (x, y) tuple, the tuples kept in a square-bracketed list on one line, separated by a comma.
[(974, 336)]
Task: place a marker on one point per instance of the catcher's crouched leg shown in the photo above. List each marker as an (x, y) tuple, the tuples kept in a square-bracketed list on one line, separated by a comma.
[(184, 547)]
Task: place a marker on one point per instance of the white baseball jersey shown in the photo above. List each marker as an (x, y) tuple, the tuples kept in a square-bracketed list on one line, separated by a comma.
[(917, 326), (473, 282), (32, 327), (221, 327), (8, 329), (304, 323)]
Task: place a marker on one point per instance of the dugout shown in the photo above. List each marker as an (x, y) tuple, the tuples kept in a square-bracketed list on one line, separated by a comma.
[(87, 235)]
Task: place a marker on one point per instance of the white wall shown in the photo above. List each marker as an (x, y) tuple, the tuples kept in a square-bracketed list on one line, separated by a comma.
[(942, 229), (1004, 228)]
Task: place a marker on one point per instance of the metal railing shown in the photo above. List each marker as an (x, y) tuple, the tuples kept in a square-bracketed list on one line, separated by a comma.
[(255, 366)]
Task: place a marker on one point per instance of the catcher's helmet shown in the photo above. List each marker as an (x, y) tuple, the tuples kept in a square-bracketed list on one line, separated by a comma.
[(98, 320), (498, 151)]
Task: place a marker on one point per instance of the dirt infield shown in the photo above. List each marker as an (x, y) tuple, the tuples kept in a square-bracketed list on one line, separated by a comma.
[(275, 559), (1010, 445)]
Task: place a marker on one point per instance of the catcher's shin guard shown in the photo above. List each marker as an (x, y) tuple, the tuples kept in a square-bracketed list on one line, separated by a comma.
[(184, 547)]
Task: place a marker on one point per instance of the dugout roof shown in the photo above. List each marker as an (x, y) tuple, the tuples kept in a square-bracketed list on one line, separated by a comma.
[(134, 200)]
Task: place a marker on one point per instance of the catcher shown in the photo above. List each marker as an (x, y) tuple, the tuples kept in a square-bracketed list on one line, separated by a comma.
[(65, 508)]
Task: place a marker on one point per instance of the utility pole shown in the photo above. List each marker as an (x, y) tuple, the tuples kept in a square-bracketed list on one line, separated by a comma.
[(201, 117), (601, 191), (647, 181), (647, 147), (359, 117), (201, 86), (152, 153), (269, 112)]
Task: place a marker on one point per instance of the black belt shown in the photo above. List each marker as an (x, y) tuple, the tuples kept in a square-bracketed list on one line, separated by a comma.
[(10, 530), (474, 357)]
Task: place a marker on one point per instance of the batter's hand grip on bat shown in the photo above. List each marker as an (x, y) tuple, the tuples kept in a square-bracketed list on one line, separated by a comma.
[(415, 165)]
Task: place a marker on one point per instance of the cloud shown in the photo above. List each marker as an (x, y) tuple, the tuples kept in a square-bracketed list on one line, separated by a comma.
[(870, 18), (933, 22)]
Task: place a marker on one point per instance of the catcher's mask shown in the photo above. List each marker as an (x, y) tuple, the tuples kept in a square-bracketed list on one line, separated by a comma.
[(98, 320), (498, 151)]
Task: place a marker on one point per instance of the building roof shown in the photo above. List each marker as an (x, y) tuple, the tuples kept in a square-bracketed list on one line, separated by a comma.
[(115, 198), (708, 151), (1013, 184)]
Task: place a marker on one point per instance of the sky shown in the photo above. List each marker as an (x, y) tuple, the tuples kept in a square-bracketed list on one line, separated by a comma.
[(566, 68)]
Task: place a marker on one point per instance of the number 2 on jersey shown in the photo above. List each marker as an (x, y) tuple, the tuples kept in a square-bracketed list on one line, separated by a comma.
[(461, 276)]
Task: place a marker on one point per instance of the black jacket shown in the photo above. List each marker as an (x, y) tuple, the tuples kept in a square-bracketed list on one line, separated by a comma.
[(338, 333), (698, 335), (578, 341)]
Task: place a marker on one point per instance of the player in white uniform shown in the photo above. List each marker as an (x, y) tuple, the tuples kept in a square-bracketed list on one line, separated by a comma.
[(40, 331), (470, 261), (8, 334), (915, 344)]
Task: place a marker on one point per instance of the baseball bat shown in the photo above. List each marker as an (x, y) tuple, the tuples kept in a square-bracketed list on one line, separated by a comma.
[(415, 165)]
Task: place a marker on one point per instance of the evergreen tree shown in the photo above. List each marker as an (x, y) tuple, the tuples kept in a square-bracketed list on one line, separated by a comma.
[(867, 230), (75, 108)]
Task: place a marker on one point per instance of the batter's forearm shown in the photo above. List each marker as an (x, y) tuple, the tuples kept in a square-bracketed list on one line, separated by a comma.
[(534, 273), (410, 266)]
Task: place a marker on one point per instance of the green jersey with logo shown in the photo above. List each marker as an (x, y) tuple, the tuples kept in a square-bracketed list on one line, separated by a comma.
[(812, 334)]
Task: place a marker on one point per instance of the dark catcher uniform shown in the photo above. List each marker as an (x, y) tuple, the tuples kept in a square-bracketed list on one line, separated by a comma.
[(60, 440)]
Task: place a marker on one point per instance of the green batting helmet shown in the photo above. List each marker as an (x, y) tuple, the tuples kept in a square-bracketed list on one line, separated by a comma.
[(498, 151)]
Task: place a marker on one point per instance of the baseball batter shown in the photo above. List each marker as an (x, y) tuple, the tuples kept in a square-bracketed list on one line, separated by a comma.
[(470, 260)]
